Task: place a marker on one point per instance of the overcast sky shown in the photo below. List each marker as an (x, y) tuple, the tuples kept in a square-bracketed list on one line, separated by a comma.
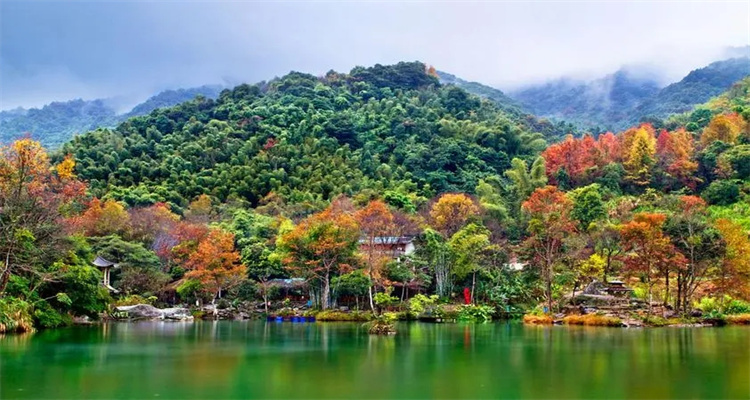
[(62, 50)]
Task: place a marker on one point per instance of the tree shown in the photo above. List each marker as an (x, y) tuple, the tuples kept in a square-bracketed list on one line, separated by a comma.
[(734, 271), (700, 244), (674, 151), (467, 246), (548, 229), (32, 199), (639, 154), (723, 127), (451, 212), (322, 246), (525, 181), (376, 223), (215, 263), (587, 205), (102, 219), (607, 243), (648, 251)]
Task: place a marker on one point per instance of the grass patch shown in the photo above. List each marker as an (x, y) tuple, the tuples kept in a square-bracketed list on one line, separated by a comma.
[(592, 320), (334, 315), (738, 319), (532, 319)]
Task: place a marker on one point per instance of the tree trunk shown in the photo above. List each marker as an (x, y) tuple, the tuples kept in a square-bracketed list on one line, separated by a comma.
[(473, 285), (326, 292), (549, 290), (265, 298), (666, 290), (372, 304), (6, 274)]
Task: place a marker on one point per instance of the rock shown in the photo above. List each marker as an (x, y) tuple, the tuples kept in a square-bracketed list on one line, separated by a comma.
[(177, 314), (147, 311), (82, 320), (696, 313), (138, 311)]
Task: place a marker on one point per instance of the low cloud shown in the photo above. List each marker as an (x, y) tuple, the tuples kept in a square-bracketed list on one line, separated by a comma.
[(57, 51)]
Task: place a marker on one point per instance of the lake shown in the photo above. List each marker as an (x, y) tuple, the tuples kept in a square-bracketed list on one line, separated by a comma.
[(255, 359)]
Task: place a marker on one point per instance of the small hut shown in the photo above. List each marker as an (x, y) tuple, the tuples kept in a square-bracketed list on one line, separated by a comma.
[(106, 266)]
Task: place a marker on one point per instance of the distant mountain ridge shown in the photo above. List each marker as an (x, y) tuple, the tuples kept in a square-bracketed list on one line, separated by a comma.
[(57, 122), (622, 99)]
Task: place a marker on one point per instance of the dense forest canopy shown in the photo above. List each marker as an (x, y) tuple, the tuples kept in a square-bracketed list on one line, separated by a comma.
[(305, 139)]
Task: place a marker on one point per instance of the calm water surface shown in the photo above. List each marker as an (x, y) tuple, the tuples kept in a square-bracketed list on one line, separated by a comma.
[(282, 360)]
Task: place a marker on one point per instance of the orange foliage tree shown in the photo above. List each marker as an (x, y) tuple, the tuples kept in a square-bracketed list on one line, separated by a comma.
[(549, 227), (102, 219), (376, 223), (34, 198), (734, 271), (649, 251), (724, 127), (674, 152), (322, 246), (213, 261), (451, 212)]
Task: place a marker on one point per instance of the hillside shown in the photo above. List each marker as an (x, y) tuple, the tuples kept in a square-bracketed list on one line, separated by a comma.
[(303, 139), (696, 88), (621, 99), (57, 122), (551, 130)]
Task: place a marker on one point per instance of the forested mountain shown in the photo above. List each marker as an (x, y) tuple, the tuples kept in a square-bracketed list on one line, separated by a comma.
[(594, 105), (57, 122), (169, 98), (552, 131), (496, 95), (697, 87), (303, 139), (621, 99)]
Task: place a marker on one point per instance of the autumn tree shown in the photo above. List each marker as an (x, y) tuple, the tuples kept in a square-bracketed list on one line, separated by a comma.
[(548, 230), (674, 151), (734, 271), (376, 223), (322, 246), (215, 263), (451, 212), (34, 199), (723, 127), (699, 242), (103, 218), (639, 150), (648, 251)]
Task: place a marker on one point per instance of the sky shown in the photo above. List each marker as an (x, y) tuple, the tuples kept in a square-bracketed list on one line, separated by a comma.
[(60, 50)]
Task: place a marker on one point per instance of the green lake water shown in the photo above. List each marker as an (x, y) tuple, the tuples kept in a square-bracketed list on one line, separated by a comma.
[(216, 360)]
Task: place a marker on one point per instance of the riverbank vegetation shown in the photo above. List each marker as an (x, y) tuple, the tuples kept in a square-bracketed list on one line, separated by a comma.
[(382, 191)]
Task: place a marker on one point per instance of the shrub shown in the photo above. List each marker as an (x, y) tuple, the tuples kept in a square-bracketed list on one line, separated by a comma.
[(334, 315), (382, 324), (592, 320), (476, 313), (723, 193), (133, 299), (532, 319), (737, 306), (739, 319), (15, 315), (384, 299), (421, 303)]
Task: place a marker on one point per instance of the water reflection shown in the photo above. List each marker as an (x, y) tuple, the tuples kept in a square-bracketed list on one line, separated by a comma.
[(303, 360)]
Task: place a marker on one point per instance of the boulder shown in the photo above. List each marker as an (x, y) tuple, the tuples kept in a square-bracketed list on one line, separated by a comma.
[(147, 311), (138, 311), (177, 314)]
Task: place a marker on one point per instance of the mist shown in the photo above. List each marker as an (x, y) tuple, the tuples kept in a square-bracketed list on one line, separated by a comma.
[(55, 51)]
